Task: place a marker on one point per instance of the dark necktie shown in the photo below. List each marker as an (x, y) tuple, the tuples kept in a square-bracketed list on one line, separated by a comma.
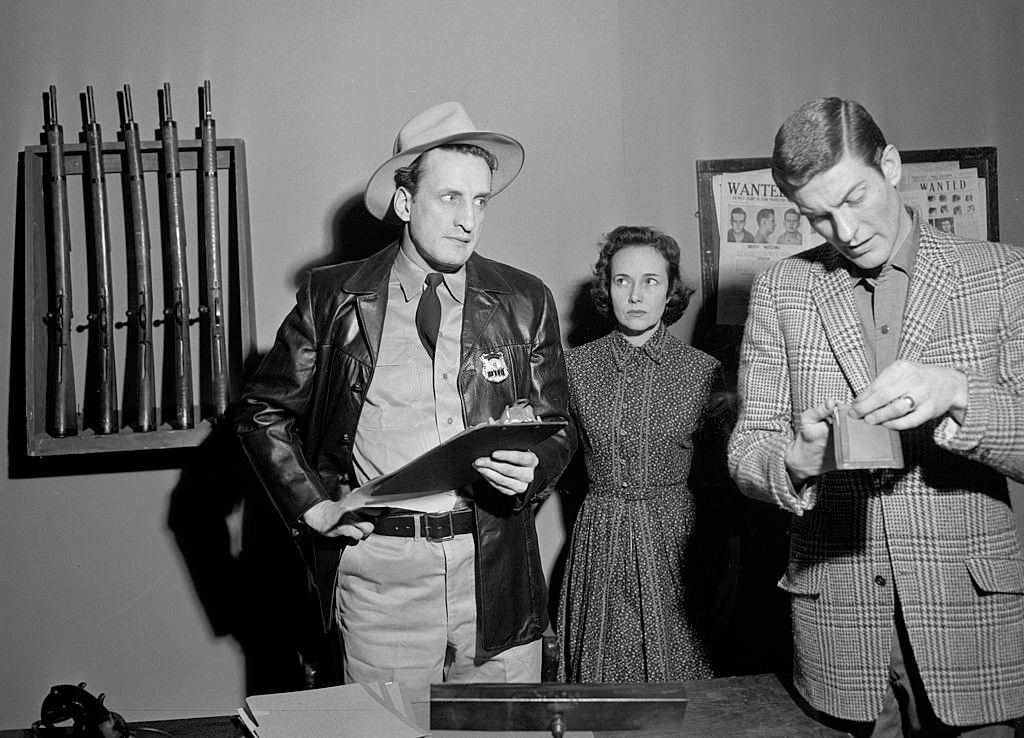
[(428, 313)]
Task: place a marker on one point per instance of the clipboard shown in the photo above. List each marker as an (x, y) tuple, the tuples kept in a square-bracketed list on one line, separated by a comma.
[(450, 465)]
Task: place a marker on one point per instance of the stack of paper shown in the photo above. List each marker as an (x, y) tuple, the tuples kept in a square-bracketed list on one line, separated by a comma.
[(378, 709)]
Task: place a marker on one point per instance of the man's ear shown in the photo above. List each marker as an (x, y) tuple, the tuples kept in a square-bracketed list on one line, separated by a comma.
[(892, 165), (403, 203)]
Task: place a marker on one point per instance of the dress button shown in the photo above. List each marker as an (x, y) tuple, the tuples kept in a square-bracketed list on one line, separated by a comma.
[(450, 421), (885, 330), (880, 580)]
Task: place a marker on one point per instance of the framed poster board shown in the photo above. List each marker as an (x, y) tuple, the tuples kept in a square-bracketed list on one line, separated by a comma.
[(747, 224)]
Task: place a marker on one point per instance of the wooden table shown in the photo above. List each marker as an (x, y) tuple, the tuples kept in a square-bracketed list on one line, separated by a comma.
[(757, 705)]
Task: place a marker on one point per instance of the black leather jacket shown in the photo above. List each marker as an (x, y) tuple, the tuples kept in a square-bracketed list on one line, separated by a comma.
[(298, 414)]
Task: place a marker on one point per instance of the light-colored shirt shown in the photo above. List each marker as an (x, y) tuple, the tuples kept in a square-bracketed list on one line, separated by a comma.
[(412, 404), (881, 299)]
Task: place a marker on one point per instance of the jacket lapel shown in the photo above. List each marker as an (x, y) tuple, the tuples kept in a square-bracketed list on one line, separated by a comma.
[(370, 286), (832, 293), (931, 288), (484, 287)]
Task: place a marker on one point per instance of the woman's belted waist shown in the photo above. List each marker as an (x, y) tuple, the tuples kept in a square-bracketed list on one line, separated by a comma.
[(628, 491)]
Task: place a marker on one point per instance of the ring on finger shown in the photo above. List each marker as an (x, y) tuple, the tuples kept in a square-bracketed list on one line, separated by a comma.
[(911, 403)]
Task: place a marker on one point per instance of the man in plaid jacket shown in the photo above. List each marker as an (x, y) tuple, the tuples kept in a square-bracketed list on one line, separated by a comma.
[(907, 585)]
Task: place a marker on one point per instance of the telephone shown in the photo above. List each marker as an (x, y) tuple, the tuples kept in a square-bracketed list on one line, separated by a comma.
[(73, 702)]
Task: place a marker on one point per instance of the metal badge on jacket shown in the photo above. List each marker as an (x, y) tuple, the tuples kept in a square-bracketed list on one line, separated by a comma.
[(493, 367)]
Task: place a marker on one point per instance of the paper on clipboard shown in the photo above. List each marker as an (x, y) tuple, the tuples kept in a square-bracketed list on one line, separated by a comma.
[(450, 465)]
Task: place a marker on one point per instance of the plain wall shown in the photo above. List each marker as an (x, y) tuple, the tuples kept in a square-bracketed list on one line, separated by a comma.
[(613, 100)]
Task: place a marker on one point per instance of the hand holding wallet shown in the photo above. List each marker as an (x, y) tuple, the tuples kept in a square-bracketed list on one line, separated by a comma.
[(860, 445)]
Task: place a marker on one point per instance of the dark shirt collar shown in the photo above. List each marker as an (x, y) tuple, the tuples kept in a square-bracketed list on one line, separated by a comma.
[(903, 259)]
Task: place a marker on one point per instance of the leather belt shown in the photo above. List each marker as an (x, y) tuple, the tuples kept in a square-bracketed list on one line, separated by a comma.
[(441, 526)]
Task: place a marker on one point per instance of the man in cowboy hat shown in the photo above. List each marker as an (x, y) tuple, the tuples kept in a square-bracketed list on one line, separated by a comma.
[(385, 358), (906, 579)]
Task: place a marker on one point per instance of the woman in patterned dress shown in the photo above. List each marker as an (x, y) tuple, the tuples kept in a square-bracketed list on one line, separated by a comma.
[(639, 397)]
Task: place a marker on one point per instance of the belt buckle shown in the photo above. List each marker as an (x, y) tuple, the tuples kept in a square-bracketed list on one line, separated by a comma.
[(451, 527)]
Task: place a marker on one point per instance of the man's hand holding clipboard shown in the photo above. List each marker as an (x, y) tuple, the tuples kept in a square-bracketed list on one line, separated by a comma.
[(499, 451)]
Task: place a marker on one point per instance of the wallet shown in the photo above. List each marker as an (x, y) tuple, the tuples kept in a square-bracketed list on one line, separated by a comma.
[(860, 445)]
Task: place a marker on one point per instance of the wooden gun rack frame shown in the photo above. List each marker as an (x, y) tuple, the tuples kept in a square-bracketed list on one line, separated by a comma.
[(239, 316)]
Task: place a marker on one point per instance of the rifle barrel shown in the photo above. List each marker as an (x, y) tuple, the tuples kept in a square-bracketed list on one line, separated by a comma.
[(178, 311), (141, 277), (100, 406), (62, 414), (217, 371)]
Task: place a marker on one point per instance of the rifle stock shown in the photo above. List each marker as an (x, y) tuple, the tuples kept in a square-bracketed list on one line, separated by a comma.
[(61, 412), (177, 312), (100, 402), (215, 372), (140, 300)]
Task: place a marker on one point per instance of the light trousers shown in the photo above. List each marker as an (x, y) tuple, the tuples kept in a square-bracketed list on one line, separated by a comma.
[(407, 611)]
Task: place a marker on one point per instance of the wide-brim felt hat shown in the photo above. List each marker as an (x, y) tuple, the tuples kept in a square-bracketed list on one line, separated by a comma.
[(446, 123)]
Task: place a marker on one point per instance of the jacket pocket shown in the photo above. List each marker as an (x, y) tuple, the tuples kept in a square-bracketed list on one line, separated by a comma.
[(804, 581), (997, 576)]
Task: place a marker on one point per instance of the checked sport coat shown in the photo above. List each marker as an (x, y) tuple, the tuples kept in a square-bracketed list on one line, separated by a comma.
[(940, 533)]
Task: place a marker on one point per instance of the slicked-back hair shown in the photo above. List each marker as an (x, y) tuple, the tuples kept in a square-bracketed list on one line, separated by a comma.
[(623, 237), (817, 134), (409, 177)]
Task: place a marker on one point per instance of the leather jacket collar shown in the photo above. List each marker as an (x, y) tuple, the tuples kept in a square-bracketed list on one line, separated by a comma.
[(372, 277)]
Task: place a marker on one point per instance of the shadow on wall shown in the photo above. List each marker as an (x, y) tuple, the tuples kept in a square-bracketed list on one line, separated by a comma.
[(244, 564), (246, 570), (757, 637), (16, 432), (584, 323), (355, 234)]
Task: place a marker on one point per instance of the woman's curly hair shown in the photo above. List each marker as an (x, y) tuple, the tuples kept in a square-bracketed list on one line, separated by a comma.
[(679, 292)]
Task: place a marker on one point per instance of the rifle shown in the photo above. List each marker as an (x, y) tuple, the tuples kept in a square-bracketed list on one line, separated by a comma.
[(213, 310), (177, 307), (62, 418), (100, 405), (141, 293)]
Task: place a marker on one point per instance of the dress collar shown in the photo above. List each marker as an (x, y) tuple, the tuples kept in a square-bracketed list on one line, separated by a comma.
[(625, 352)]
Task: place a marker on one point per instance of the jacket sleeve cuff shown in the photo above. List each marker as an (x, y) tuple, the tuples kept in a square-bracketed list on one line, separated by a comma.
[(787, 496), (965, 438)]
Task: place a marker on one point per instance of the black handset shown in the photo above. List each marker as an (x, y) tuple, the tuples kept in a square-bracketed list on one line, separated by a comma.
[(75, 703)]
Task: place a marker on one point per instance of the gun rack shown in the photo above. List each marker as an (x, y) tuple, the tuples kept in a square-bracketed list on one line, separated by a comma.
[(236, 283)]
